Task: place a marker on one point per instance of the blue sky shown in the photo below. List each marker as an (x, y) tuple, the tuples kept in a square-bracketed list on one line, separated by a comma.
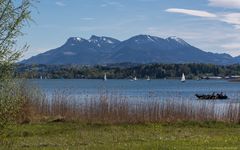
[(212, 25)]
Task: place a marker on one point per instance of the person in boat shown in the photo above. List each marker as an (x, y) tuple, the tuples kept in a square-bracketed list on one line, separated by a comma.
[(213, 96), (219, 95)]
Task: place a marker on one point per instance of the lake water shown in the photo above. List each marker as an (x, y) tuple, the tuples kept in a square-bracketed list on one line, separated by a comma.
[(143, 89)]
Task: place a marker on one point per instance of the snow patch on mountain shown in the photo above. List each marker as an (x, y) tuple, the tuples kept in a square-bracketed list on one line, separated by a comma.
[(177, 39)]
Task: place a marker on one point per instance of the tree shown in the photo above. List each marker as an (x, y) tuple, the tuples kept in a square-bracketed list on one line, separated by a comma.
[(13, 16)]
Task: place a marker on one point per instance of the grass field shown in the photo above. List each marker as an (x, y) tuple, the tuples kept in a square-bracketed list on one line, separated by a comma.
[(188, 135)]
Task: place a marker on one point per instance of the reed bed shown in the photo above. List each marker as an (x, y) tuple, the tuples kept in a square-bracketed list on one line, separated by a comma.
[(112, 108)]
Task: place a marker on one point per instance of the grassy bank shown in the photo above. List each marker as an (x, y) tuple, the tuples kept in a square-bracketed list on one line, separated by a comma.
[(184, 135), (112, 121)]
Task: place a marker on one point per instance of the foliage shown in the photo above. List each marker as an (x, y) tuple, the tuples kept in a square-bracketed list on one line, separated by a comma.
[(13, 16), (123, 71), (11, 101)]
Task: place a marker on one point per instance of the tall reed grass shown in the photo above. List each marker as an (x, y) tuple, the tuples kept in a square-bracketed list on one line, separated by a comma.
[(112, 108)]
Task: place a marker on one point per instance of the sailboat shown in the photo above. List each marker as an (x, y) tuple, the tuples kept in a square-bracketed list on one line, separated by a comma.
[(135, 78), (148, 78), (105, 77), (183, 78)]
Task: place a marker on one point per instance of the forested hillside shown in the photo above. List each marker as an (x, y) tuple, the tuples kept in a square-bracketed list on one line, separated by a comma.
[(125, 71)]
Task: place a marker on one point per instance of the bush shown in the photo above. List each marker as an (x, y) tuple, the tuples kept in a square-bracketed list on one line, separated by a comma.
[(11, 101)]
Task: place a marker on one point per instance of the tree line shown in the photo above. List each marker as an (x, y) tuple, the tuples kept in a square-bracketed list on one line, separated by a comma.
[(125, 71)]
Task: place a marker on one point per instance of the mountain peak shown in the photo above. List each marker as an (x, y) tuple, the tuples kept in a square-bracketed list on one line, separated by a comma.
[(75, 40), (94, 37), (102, 39), (143, 37), (177, 39)]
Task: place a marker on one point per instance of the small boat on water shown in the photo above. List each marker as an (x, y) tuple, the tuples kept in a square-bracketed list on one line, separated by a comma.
[(183, 78), (148, 78), (212, 96), (105, 77), (135, 78)]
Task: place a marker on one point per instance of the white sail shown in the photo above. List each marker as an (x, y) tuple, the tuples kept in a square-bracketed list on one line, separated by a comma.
[(183, 78), (105, 77), (148, 78), (135, 78)]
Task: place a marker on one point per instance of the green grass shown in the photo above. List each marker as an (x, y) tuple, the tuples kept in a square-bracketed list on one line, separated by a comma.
[(184, 135)]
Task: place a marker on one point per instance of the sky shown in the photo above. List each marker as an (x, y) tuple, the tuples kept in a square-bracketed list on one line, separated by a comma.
[(211, 25)]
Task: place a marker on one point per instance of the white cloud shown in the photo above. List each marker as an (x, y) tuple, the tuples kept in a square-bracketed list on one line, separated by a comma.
[(112, 3), (231, 46), (197, 13), (59, 3), (87, 19), (217, 39), (225, 3), (237, 27), (231, 18)]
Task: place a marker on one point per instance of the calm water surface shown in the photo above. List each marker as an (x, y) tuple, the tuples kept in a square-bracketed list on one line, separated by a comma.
[(143, 89)]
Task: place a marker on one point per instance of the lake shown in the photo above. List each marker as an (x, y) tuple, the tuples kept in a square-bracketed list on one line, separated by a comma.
[(142, 89)]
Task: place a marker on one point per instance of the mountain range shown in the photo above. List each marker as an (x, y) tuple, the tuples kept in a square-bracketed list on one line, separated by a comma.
[(138, 49)]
